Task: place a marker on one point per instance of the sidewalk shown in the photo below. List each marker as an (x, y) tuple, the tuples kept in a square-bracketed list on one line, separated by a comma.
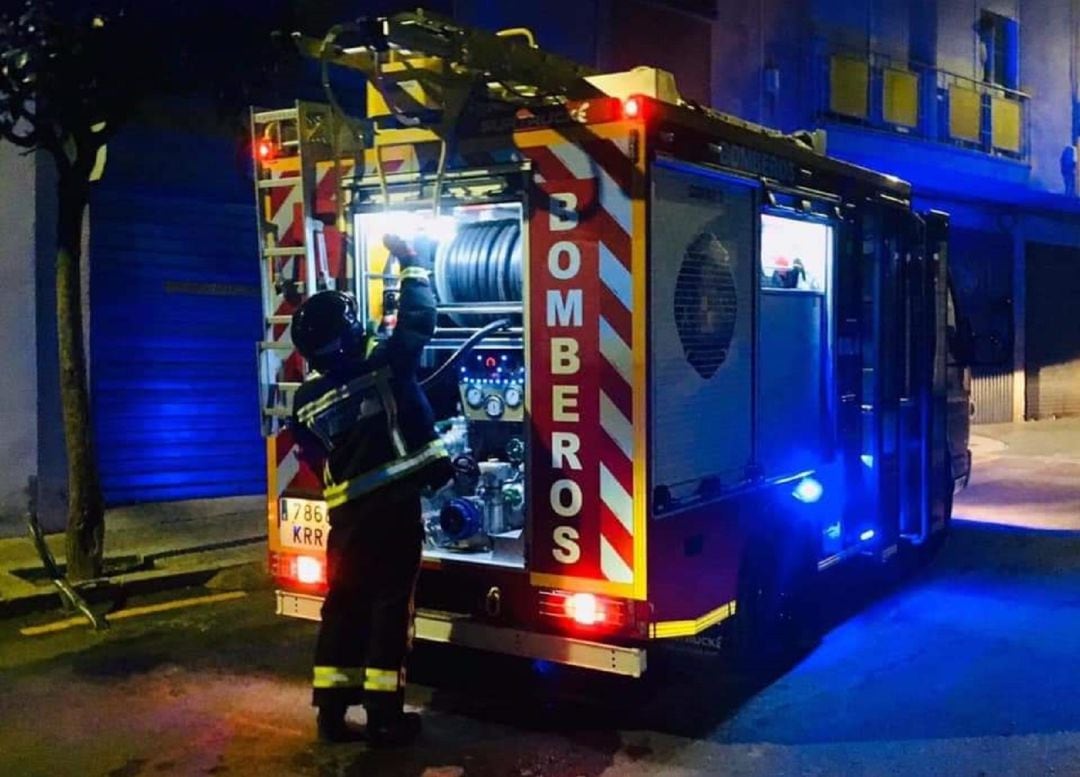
[(1024, 475), (1057, 439), (147, 547)]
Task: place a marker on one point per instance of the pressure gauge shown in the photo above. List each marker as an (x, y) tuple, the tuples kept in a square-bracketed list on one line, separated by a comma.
[(512, 395), (494, 406), (474, 397)]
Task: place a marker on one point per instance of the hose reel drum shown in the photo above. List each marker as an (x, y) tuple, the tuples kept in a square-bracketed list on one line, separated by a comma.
[(480, 265)]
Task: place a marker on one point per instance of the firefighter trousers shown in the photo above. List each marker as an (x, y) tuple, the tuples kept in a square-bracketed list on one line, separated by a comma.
[(373, 559)]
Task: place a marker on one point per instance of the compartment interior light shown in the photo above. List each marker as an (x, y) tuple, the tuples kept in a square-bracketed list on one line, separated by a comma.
[(411, 223)]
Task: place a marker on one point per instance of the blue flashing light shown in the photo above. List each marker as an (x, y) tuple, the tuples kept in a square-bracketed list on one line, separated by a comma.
[(808, 491), (868, 460), (866, 535), (543, 668)]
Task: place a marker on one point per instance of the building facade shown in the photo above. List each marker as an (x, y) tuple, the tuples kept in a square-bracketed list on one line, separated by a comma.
[(18, 334), (973, 101)]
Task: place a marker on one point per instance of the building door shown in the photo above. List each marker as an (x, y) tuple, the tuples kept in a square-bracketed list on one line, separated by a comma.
[(175, 316), (982, 266), (1052, 331)]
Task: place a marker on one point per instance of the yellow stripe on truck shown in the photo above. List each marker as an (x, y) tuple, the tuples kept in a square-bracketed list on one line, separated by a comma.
[(688, 628)]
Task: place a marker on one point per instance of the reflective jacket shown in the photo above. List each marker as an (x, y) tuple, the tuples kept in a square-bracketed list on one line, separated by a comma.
[(370, 421)]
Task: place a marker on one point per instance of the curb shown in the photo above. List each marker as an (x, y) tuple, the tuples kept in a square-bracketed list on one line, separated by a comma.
[(131, 584)]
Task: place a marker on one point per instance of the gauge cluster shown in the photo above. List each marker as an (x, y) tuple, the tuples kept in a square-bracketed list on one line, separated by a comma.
[(492, 386)]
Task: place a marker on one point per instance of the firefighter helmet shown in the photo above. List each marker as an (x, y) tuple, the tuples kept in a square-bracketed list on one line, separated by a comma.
[(326, 330)]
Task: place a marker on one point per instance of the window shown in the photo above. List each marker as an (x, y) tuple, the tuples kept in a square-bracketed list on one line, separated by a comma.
[(794, 253), (999, 49), (794, 354)]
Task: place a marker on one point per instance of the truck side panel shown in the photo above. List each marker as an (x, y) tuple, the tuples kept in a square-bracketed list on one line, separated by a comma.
[(586, 331), (701, 356), (701, 266)]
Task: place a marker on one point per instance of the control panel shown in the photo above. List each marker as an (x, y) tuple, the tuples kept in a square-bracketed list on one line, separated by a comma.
[(492, 386)]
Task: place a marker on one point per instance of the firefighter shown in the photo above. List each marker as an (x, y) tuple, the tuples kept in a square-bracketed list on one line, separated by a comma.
[(788, 277), (365, 420)]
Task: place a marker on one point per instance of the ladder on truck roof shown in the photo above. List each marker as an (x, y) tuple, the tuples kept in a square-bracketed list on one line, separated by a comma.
[(422, 51), (424, 70)]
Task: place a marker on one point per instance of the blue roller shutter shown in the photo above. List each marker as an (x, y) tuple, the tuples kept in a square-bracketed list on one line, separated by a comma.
[(175, 315)]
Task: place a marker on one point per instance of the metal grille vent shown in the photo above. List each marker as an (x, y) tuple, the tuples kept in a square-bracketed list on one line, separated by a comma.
[(706, 304)]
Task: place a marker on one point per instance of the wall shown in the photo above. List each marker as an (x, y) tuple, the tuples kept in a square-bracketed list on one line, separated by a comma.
[(685, 47), (1045, 73), (843, 23), (565, 28), (759, 65), (18, 382)]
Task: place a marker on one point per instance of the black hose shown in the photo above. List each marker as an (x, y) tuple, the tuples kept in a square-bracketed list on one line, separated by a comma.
[(467, 346)]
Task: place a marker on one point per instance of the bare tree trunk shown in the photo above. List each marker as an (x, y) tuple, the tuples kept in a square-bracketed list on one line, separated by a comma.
[(86, 508)]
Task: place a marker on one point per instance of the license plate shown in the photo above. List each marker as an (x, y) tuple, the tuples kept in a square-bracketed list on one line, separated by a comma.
[(304, 524)]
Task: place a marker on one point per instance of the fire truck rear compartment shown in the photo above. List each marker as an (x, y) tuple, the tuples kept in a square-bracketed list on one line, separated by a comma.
[(479, 399)]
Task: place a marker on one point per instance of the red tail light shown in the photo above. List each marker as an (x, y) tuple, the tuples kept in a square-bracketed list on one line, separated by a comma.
[(264, 149), (296, 570), (309, 570), (586, 609), (633, 107)]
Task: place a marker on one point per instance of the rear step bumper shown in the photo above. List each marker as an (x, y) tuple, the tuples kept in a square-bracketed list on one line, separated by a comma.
[(456, 629)]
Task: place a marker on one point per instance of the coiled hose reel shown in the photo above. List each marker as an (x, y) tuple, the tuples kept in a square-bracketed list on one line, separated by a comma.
[(482, 264)]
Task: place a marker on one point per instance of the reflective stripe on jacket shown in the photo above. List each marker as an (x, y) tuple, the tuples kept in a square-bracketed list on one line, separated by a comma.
[(410, 464)]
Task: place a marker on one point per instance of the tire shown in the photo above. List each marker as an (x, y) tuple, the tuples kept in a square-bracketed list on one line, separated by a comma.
[(777, 611)]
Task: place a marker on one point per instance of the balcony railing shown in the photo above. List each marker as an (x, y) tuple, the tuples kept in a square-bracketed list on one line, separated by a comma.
[(918, 100)]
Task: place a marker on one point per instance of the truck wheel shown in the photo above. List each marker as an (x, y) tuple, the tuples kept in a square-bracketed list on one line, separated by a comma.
[(776, 616)]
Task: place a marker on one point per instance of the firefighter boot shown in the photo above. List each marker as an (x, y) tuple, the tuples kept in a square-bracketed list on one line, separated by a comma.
[(396, 730), (333, 727)]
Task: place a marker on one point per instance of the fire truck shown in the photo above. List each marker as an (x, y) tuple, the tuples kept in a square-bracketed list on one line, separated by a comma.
[(684, 364)]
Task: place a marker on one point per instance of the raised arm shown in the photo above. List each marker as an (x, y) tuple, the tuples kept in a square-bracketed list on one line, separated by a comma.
[(416, 306)]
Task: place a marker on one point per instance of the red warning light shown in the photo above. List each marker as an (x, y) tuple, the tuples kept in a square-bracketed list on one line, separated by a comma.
[(309, 570), (632, 107), (585, 609), (264, 149)]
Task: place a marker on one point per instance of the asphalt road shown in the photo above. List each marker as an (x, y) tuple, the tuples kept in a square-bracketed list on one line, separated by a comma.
[(969, 668)]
